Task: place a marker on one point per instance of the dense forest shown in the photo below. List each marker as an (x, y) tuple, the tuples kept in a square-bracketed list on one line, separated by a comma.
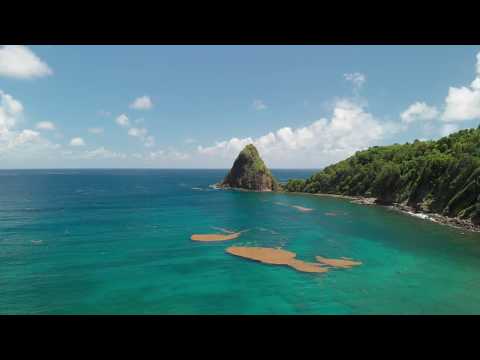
[(440, 176)]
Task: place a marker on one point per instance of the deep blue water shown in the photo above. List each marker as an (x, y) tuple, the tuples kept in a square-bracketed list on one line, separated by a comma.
[(118, 242)]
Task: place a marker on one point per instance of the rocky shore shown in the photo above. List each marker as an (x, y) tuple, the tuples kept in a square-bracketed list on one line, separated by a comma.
[(457, 223)]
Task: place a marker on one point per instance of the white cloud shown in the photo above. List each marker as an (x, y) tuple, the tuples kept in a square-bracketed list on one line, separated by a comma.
[(357, 79), (464, 103), (10, 112), (137, 132), (447, 129), (142, 134), (122, 120), (101, 153), (170, 154), (190, 141), (142, 103), (25, 136), (77, 141), (19, 145), (259, 105), (95, 130), (419, 111), (9, 104), (349, 129), (26, 144), (45, 125), (19, 61)]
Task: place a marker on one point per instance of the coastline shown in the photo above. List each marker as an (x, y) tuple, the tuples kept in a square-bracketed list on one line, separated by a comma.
[(456, 223)]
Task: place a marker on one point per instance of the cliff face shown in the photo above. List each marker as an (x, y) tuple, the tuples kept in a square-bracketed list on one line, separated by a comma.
[(249, 172)]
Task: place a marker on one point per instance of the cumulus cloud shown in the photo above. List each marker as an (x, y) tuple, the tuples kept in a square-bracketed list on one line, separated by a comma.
[(9, 104), (357, 79), (77, 141), (26, 144), (464, 103), (259, 105), (142, 134), (142, 103), (10, 112), (25, 136), (18, 144), (122, 120), (95, 130), (349, 129), (20, 62), (419, 111), (45, 125)]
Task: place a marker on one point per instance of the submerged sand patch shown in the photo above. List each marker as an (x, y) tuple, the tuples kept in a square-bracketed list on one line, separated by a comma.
[(223, 230), (338, 263), (214, 237), (275, 257), (301, 208)]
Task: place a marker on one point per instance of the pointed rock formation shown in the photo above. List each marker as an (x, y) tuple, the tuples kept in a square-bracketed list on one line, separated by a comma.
[(249, 172)]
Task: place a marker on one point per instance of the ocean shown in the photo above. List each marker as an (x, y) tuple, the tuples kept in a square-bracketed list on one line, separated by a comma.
[(118, 242)]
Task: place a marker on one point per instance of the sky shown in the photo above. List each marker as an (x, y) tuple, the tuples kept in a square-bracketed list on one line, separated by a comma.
[(198, 106)]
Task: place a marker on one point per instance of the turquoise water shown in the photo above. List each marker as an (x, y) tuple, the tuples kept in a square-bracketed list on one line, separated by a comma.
[(118, 242)]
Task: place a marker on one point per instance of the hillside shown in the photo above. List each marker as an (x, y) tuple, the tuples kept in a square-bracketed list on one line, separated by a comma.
[(440, 176)]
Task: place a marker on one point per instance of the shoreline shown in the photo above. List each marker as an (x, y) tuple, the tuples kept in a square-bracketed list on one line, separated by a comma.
[(460, 224), (456, 223)]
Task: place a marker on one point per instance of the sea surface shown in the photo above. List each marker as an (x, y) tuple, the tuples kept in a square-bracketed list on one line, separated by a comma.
[(118, 242)]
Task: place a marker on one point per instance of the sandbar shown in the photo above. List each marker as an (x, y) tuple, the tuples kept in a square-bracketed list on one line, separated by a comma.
[(275, 257), (338, 263), (214, 237)]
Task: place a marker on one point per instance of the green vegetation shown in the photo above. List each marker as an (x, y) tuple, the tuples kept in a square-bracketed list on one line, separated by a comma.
[(440, 176), (250, 172)]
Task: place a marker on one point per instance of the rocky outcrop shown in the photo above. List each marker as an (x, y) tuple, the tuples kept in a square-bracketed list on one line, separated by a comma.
[(249, 172)]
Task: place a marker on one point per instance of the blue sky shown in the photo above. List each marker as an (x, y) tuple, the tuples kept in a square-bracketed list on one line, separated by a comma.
[(197, 106)]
